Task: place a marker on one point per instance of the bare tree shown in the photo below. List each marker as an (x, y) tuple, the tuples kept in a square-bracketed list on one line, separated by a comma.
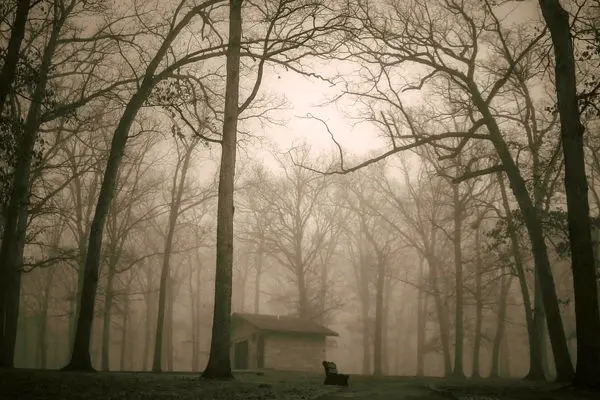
[(360, 257), (126, 216), (58, 35), (382, 245), (219, 364), (255, 219), (80, 358), (423, 33), (582, 257), (177, 206), (11, 58), (418, 213), (302, 228)]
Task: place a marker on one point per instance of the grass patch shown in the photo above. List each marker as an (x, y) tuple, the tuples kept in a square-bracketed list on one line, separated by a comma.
[(267, 385), (50, 385), (510, 389)]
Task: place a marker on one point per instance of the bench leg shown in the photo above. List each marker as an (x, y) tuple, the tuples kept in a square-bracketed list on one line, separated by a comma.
[(329, 380)]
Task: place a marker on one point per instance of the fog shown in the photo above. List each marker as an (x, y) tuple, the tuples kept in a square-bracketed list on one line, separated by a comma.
[(389, 185)]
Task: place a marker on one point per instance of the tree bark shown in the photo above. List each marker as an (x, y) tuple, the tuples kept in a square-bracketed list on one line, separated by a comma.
[(539, 329), (169, 353), (124, 343), (500, 330), (564, 367), (379, 310), (478, 305), (242, 286), (440, 310), (78, 290), (458, 322), (504, 362), (149, 301), (366, 343), (194, 309), (106, 316), (16, 213), (421, 321), (587, 314), (219, 363), (323, 292), (387, 352), (7, 75), (257, 276), (303, 306), (80, 355), (196, 317), (43, 322)]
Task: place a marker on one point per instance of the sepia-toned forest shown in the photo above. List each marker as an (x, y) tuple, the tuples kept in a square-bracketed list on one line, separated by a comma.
[(435, 200)]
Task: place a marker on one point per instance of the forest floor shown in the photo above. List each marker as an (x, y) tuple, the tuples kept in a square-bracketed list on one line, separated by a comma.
[(51, 385)]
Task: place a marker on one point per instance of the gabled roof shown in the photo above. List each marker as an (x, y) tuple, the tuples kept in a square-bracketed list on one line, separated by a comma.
[(278, 323)]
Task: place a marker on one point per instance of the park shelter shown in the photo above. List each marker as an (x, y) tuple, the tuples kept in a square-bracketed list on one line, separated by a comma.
[(277, 342)]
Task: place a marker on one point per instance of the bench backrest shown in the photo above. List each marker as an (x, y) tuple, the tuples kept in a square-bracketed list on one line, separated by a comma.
[(330, 367)]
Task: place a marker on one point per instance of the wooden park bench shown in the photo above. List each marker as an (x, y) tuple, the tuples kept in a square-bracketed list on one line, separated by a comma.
[(332, 377)]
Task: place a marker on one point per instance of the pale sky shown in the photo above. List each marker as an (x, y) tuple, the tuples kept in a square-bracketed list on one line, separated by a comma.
[(304, 96)]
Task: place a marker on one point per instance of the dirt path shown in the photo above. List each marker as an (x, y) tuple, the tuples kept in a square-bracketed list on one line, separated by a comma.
[(404, 388)]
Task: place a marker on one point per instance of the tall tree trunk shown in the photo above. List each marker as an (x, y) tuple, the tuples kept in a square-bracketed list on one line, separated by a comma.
[(178, 186), (7, 75), (124, 343), (500, 330), (533, 224), (441, 313), (366, 343), (219, 363), (78, 290), (72, 318), (478, 305), (539, 328), (15, 214), (587, 314), (242, 287), (303, 306), (458, 321), (378, 328), (96, 344), (323, 292), (536, 371), (387, 352), (193, 322), (421, 320), (43, 321), (504, 362), (257, 276), (169, 353), (106, 316), (80, 355), (10, 324), (197, 315), (149, 300)]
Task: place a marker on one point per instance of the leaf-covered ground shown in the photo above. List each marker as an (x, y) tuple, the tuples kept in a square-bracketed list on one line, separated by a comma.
[(272, 385)]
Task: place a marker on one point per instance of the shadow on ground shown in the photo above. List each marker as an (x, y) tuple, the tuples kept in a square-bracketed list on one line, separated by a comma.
[(51, 385)]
